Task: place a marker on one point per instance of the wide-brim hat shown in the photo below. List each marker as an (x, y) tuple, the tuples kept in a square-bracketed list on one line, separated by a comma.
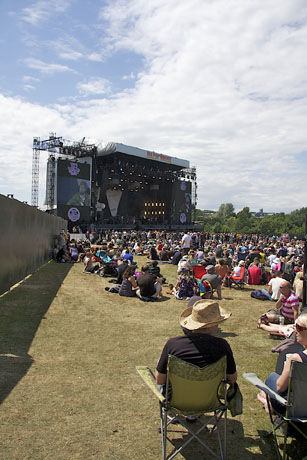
[(204, 313)]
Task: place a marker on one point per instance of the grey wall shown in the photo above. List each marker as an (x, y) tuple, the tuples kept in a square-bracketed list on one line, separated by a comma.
[(26, 240)]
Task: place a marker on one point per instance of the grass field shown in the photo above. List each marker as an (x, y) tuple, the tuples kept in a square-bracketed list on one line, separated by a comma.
[(68, 385)]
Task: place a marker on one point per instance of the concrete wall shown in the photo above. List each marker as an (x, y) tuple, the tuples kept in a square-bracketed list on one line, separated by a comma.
[(26, 240)]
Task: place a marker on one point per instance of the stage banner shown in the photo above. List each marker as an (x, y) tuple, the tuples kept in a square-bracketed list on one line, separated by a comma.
[(74, 190), (113, 197)]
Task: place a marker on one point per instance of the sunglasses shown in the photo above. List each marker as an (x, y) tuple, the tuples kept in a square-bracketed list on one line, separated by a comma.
[(300, 328)]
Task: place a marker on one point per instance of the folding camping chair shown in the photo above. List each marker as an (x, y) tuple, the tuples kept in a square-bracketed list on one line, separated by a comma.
[(295, 404), (191, 390), (238, 280)]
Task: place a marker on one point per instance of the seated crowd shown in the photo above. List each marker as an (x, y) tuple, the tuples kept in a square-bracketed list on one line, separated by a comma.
[(205, 263), (226, 259)]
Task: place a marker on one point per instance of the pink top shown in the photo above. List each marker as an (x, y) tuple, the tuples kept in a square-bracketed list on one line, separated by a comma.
[(288, 304)]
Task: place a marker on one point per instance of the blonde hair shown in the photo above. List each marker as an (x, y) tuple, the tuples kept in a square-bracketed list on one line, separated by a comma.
[(302, 318)]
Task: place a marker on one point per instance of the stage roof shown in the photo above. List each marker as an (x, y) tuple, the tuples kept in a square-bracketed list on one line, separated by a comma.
[(114, 147)]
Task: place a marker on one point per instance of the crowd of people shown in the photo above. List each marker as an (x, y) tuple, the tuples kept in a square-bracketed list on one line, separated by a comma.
[(226, 259), (221, 260)]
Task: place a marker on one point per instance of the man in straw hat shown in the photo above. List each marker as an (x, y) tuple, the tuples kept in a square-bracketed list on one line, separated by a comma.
[(199, 345)]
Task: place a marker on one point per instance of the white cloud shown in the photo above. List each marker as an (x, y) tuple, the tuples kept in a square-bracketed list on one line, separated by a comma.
[(28, 87), (29, 78), (224, 87), (67, 47), (95, 57), (131, 76), (46, 68), (41, 10), (94, 86)]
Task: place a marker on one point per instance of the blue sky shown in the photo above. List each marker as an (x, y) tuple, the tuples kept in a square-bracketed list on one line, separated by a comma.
[(220, 83)]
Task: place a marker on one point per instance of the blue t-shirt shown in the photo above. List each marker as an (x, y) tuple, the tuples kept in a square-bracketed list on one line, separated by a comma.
[(128, 257)]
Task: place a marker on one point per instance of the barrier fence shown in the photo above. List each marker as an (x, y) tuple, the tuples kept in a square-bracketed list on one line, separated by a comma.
[(26, 240)]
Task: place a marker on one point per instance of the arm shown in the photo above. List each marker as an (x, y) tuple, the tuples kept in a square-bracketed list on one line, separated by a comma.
[(232, 378), (295, 313), (160, 378), (278, 304), (282, 381), (133, 282), (270, 289)]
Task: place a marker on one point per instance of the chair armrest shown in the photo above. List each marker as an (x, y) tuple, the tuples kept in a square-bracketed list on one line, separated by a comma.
[(147, 375), (254, 380)]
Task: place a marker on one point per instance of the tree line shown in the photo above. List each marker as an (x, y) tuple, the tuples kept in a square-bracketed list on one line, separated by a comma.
[(225, 220)]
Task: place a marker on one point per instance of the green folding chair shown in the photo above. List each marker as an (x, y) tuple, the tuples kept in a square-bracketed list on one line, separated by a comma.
[(191, 391), (295, 405)]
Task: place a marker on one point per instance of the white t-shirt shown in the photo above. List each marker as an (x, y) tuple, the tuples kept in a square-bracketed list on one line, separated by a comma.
[(271, 258), (275, 283), (186, 241)]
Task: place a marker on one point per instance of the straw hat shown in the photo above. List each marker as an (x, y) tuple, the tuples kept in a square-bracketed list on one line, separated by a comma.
[(204, 313)]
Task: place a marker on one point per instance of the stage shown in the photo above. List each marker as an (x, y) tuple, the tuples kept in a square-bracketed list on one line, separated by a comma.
[(119, 186)]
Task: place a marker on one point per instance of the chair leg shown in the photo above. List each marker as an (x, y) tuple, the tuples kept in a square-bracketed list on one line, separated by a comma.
[(225, 435), (163, 425), (274, 428), (284, 454)]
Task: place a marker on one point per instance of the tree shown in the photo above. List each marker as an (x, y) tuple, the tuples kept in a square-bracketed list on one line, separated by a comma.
[(225, 211)]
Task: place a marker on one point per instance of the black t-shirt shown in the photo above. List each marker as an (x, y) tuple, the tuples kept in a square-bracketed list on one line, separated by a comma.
[(176, 257), (198, 349), (146, 284), (120, 270)]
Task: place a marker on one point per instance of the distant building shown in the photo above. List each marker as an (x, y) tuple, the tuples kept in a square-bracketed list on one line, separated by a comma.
[(260, 213)]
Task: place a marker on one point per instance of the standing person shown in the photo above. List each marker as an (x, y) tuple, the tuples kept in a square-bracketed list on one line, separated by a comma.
[(61, 241), (199, 344), (254, 273), (186, 243)]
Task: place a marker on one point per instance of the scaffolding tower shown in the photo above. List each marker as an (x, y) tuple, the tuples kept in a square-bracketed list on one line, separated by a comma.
[(35, 172)]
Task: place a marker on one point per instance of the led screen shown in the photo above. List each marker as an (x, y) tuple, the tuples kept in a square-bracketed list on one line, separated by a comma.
[(74, 190)]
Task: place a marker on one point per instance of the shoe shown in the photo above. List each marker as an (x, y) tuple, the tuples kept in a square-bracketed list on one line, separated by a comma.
[(191, 419)]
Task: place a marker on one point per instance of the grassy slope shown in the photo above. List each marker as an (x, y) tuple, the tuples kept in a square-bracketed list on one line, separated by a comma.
[(69, 386)]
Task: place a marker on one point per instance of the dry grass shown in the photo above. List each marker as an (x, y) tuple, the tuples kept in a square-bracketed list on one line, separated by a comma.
[(69, 389)]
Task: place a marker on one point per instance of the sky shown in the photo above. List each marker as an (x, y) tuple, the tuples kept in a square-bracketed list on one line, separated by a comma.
[(220, 83)]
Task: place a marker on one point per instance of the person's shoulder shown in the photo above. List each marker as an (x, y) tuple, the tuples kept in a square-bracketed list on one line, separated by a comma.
[(174, 340), (293, 297)]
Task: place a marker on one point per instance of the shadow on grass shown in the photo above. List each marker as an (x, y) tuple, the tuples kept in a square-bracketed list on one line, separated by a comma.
[(21, 312), (239, 445), (296, 446)]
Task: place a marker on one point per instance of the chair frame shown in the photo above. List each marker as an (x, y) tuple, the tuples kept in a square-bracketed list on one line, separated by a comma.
[(239, 281), (290, 404), (170, 414)]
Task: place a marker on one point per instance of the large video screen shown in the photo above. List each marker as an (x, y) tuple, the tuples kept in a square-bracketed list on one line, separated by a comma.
[(182, 202), (74, 190)]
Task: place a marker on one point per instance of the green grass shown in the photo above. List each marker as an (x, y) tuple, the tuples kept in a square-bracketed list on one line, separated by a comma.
[(68, 385)]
